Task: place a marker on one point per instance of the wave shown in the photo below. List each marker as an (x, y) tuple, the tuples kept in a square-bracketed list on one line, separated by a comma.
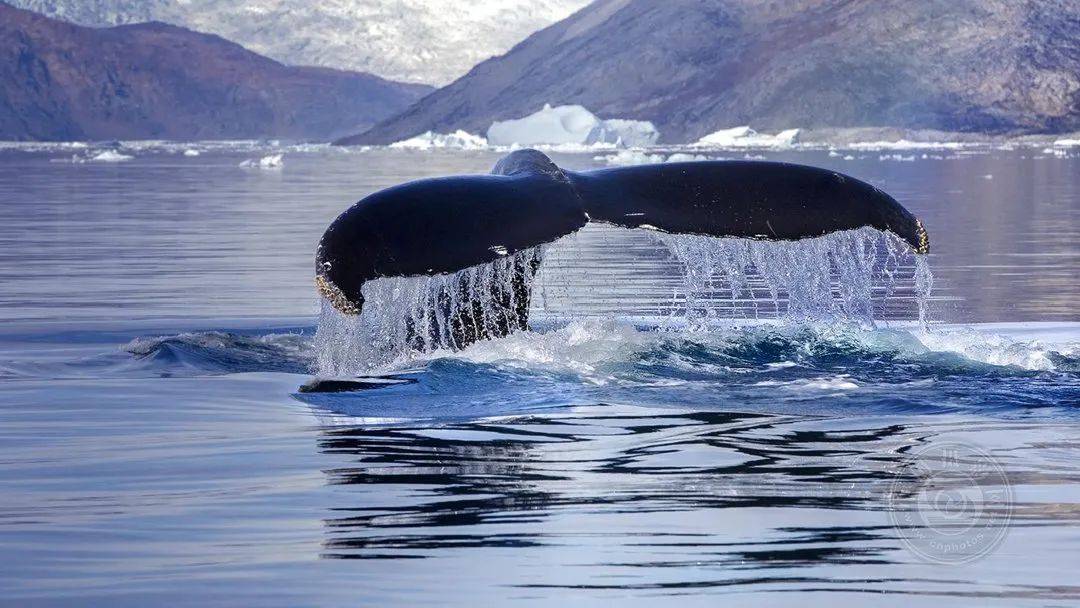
[(222, 353), (806, 368)]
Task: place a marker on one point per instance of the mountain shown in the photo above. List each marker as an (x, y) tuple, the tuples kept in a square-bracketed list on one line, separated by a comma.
[(694, 66), (429, 41), (60, 81)]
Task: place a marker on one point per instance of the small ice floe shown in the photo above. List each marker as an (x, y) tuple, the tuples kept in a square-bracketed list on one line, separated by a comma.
[(191, 152), (104, 156), (745, 137), (430, 140), (897, 157), (571, 125), (1067, 143), (906, 145), (272, 161), (109, 156), (682, 157), (626, 158)]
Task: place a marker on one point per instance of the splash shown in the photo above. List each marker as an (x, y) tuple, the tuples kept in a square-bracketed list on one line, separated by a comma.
[(846, 276), (403, 316), (684, 281)]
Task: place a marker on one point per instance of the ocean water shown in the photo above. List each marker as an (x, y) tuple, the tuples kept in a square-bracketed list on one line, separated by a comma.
[(158, 318)]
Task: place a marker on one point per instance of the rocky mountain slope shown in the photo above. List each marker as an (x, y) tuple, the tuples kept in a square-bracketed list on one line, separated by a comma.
[(431, 41), (65, 82), (695, 66)]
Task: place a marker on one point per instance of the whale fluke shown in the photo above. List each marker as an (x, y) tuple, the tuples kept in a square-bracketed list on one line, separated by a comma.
[(443, 225)]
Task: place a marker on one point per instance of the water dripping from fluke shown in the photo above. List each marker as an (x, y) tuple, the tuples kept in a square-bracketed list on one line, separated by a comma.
[(673, 282)]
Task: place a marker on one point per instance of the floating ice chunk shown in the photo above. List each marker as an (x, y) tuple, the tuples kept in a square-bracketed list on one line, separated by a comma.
[(191, 152), (273, 161), (639, 157), (430, 140), (572, 124), (904, 144), (745, 137), (625, 158), (109, 156), (1067, 143), (897, 157), (682, 157)]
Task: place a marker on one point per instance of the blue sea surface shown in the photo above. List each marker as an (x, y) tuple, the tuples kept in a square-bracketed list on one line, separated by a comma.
[(157, 323)]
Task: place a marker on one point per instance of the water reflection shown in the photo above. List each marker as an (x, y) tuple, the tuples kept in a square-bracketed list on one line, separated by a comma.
[(631, 499)]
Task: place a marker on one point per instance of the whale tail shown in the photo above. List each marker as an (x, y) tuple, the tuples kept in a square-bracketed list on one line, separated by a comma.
[(444, 225)]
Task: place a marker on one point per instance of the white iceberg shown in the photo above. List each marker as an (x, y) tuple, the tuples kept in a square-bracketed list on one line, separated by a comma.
[(682, 157), (1067, 143), (109, 156), (622, 132), (573, 124), (745, 137), (272, 161), (430, 140)]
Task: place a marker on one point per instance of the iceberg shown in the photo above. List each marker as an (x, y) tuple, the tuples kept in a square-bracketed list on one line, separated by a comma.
[(682, 157), (626, 133), (430, 140), (104, 156), (745, 137), (273, 161), (571, 124), (109, 156)]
